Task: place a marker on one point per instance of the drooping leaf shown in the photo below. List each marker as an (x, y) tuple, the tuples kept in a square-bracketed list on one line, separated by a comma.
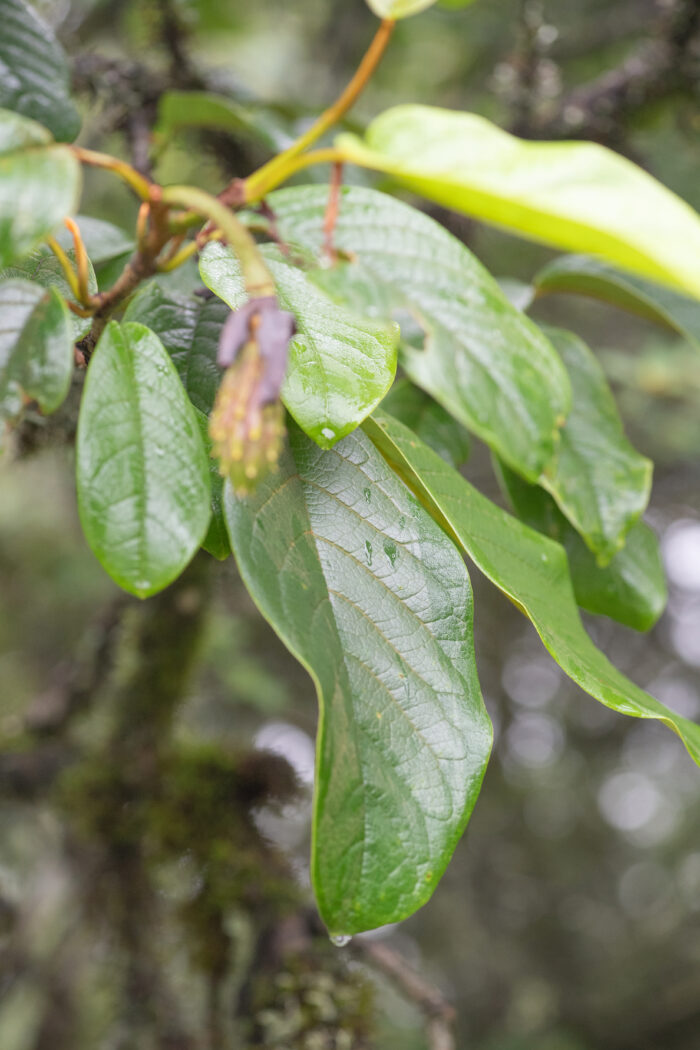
[(36, 348), (463, 342), (398, 8), (630, 589), (575, 195), (201, 109), (42, 267), (340, 364), (39, 185), (429, 420), (598, 479), (529, 568), (586, 276), (189, 328), (374, 600), (34, 72), (142, 471)]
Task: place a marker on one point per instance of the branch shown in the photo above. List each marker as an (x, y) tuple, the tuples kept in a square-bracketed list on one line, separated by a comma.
[(438, 1012)]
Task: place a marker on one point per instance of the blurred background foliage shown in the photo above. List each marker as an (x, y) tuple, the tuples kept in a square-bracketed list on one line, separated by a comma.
[(569, 918)]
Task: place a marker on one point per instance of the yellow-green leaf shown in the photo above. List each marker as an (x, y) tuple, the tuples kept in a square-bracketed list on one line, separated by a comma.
[(575, 195)]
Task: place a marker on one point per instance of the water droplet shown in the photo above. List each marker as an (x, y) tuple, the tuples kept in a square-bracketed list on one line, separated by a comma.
[(340, 939), (391, 552), (368, 548), (367, 495), (327, 433), (402, 522)]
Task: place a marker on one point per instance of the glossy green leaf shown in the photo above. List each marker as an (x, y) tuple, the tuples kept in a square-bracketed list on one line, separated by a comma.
[(374, 600), (42, 267), (575, 195), (630, 589), (583, 275), (200, 109), (529, 568), (39, 185), (142, 471), (429, 420), (598, 479), (188, 327), (34, 71), (398, 8), (463, 342), (36, 348), (340, 365)]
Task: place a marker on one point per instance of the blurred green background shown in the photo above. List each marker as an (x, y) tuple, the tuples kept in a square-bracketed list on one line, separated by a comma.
[(569, 918)]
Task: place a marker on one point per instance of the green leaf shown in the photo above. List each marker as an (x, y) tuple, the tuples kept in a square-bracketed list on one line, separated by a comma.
[(34, 72), (429, 420), (142, 472), (631, 589), (42, 267), (340, 365), (586, 276), (39, 185), (200, 109), (398, 8), (189, 328), (36, 348), (374, 600), (575, 195), (480, 358), (529, 568), (598, 479)]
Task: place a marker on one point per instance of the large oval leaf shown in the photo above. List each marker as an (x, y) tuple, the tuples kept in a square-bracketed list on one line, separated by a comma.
[(142, 472), (372, 597), (189, 328), (529, 568), (599, 480), (575, 195), (340, 364), (583, 275), (482, 359), (34, 72), (36, 348), (39, 185), (630, 589)]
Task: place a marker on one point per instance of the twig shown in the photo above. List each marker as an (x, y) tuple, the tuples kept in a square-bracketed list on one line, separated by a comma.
[(438, 1012)]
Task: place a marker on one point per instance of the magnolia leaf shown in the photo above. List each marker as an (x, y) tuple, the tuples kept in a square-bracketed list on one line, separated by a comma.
[(574, 195), (340, 365), (142, 470), (39, 185), (34, 71), (42, 267), (599, 480), (189, 328), (630, 589), (486, 363), (583, 275), (36, 348), (374, 600), (529, 568)]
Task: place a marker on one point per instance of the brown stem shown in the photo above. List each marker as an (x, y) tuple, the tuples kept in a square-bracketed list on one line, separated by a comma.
[(332, 209), (438, 1012)]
